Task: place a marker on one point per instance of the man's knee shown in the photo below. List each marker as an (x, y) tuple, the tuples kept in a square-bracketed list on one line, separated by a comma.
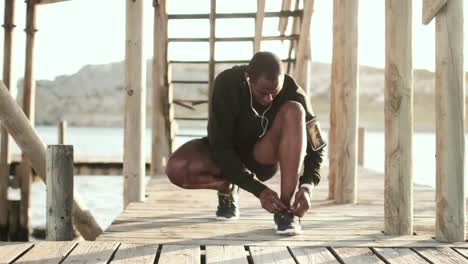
[(177, 171), (293, 111)]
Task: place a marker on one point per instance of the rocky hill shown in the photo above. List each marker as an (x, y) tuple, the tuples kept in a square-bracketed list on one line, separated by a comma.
[(94, 95)]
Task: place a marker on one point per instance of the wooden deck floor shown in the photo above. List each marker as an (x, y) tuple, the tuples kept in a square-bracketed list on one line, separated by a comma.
[(178, 226)]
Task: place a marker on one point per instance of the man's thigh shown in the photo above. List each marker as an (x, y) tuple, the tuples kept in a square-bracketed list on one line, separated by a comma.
[(266, 149), (197, 154)]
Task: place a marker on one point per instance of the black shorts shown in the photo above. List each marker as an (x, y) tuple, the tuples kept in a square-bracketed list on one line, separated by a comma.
[(263, 172)]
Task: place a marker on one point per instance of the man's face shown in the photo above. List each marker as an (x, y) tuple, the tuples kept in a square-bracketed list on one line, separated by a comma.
[(264, 91)]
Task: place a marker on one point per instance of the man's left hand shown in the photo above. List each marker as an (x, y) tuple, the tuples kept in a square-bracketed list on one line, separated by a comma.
[(301, 202)]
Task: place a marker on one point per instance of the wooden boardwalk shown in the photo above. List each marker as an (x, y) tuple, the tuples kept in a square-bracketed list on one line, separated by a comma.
[(178, 226)]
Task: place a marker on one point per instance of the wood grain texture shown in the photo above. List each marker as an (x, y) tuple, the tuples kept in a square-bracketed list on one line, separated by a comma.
[(271, 255), (441, 255), (136, 253), (400, 255), (47, 253), (11, 251), (311, 255), (91, 252), (357, 255), (175, 254), (226, 255), (398, 118), (283, 21), (259, 25), (302, 52), (430, 9), (450, 116)]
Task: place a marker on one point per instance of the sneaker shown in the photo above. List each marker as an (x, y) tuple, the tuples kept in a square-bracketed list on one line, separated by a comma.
[(287, 224), (227, 205)]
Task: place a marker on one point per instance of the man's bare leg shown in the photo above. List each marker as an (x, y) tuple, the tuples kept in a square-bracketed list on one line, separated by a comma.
[(192, 167), (285, 143)]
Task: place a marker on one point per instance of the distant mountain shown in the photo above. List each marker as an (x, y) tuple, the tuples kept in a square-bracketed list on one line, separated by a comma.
[(94, 95)]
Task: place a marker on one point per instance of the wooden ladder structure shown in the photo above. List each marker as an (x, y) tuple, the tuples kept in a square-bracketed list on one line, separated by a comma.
[(297, 62)]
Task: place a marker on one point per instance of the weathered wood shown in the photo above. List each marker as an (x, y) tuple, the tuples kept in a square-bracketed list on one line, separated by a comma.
[(135, 105), (162, 109), (47, 253), (135, 253), (450, 116), (430, 9), (45, 2), (264, 255), (357, 255), (24, 176), (17, 124), (92, 252), (345, 86), (236, 15), (259, 25), (5, 155), (302, 52), (59, 193), (62, 132), (399, 255), (398, 118), (283, 21), (173, 254), (226, 255), (292, 43), (313, 255), (361, 145), (234, 39), (14, 220), (211, 63), (462, 251), (11, 251), (441, 255)]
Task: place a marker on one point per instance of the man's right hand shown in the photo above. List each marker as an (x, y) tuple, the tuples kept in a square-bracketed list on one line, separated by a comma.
[(271, 201)]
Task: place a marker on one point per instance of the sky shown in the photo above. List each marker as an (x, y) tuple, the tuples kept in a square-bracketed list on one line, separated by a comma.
[(76, 33)]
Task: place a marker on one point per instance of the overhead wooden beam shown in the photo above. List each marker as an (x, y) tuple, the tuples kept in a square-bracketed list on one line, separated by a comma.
[(162, 108), (45, 2), (430, 9), (398, 202), (259, 25), (450, 123), (345, 83), (135, 105)]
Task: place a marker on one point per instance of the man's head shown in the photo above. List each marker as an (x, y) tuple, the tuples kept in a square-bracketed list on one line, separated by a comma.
[(265, 76)]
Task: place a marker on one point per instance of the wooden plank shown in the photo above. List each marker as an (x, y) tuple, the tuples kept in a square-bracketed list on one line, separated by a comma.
[(236, 15), (357, 255), (135, 253), (430, 9), (398, 118), (235, 39), (313, 255), (11, 251), (283, 21), (345, 83), (303, 53), (259, 25), (45, 2), (441, 255), (92, 252), (399, 255), (174, 254), (450, 119), (270, 255), (47, 252), (226, 255), (462, 251)]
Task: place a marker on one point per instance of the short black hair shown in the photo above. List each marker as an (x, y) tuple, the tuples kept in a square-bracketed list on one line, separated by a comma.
[(264, 64)]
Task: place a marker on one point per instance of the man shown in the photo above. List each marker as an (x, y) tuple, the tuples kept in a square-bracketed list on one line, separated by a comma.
[(258, 118)]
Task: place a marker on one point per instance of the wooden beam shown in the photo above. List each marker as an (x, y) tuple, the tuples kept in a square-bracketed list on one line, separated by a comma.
[(302, 65), (450, 116), (259, 25), (162, 108), (398, 196), (345, 83), (135, 105), (5, 152), (430, 9), (283, 21), (62, 132), (211, 65), (236, 15), (45, 2), (26, 137)]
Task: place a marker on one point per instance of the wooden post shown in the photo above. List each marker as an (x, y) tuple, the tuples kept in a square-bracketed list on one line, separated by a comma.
[(162, 109), (295, 31), (59, 225), (19, 127), (62, 132), (345, 84), (5, 155), (283, 21), (302, 64), (361, 145), (14, 220), (398, 197), (450, 114), (135, 105), (259, 25), (211, 66)]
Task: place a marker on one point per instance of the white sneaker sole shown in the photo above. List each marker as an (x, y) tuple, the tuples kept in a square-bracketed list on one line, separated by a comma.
[(222, 218), (289, 232)]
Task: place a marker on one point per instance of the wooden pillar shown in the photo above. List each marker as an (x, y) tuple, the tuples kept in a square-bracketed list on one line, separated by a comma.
[(59, 225), (5, 155), (361, 145), (62, 132), (345, 85), (259, 25), (211, 65), (295, 31), (14, 220), (302, 64), (19, 127), (450, 113), (398, 197), (162, 109), (135, 105), (283, 21)]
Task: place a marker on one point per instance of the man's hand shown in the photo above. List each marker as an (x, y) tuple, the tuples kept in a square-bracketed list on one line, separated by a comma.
[(271, 202), (301, 202)]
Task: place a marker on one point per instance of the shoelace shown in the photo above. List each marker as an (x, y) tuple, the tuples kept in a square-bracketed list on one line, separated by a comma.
[(227, 200)]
